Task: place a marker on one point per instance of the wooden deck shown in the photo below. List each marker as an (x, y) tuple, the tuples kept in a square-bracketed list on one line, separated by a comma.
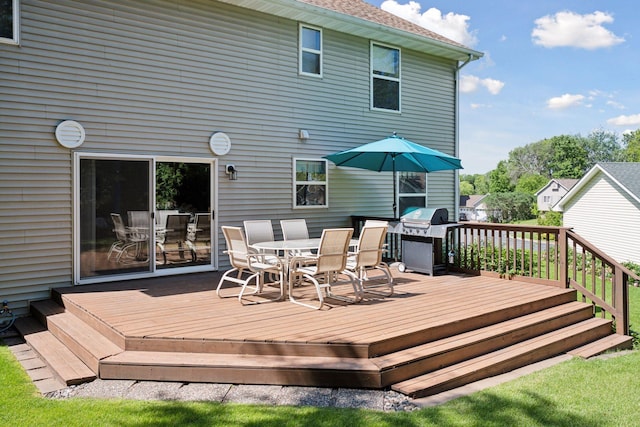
[(433, 334)]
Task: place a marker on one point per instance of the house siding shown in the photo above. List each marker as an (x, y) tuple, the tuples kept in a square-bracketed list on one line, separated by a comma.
[(606, 216), (159, 77)]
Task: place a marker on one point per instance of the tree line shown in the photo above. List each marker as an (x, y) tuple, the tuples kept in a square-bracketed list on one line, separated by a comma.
[(513, 183)]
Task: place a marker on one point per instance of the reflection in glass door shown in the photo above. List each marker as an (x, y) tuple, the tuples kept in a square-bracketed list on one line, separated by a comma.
[(114, 217), (183, 214)]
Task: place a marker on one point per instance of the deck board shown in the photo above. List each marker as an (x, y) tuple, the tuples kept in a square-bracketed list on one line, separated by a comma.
[(188, 309)]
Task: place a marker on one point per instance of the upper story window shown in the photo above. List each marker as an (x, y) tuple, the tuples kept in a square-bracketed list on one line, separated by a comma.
[(412, 191), (9, 21), (310, 183), (385, 77), (310, 51)]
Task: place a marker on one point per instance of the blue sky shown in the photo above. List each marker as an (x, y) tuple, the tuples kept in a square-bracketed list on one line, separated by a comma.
[(550, 68)]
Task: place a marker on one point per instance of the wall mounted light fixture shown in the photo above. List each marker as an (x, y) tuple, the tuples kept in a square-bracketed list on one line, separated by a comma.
[(303, 134), (231, 171)]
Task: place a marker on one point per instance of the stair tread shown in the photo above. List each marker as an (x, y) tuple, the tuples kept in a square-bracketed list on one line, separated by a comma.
[(66, 365), (84, 335), (477, 364), (448, 344), (610, 342)]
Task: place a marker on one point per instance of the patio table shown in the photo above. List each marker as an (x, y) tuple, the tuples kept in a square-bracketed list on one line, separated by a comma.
[(289, 247)]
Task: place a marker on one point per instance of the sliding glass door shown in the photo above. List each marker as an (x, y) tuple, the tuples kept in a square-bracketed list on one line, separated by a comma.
[(141, 216)]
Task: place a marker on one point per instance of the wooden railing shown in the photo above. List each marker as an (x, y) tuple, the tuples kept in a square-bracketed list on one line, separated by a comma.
[(553, 256), (550, 255)]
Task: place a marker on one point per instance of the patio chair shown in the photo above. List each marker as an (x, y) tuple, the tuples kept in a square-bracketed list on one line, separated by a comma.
[(174, 236), (368, 256), (295, 229), (330, 263), (199, 235), (261, 230), (127, 246), (139, 222), (247, 267)]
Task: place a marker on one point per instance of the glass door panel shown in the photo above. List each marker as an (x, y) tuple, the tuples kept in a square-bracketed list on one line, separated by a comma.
[(115, 219), (183, 214)]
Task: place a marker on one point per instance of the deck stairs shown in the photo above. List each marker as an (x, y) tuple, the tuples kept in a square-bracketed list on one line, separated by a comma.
[(79, 348)]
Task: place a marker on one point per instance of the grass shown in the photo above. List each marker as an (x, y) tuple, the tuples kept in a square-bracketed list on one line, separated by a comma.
[(574, 393)]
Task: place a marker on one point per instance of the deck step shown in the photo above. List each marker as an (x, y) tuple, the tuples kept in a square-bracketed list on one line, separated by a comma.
[(505, 360), (608, 343), (428, 357), (82, 340), (242, 369), (65, 365)]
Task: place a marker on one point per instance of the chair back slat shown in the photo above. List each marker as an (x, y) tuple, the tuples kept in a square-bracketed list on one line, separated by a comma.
[(118, 227), (370, 246), (294, 229), (176, 230), (332, 252), (258, 231), (236, 245)]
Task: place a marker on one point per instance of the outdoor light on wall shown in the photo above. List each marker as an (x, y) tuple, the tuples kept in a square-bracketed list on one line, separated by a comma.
[(232, 172), (303, 135)]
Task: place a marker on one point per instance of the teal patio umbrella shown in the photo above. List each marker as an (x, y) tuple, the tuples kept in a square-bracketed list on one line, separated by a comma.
[(395, 154)]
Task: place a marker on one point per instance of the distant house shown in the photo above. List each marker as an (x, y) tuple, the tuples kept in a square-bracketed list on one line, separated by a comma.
[(604, 208), (551, 193), (473, 208), (116, 115)]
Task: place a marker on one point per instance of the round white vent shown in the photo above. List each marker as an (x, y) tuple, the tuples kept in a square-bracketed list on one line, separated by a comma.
[(220, 143), (70, 134)]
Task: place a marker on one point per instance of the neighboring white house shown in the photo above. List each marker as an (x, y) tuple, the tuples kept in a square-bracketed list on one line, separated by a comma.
[(115, 109), (604, 208), (473, 207), (552, 192)]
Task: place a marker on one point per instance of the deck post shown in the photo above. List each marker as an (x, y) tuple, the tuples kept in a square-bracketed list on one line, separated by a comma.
[(621, 298), (564, 258)]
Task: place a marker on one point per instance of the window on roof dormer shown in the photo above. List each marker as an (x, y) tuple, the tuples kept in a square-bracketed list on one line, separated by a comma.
[(385, 77), (9, 21), (310, 51)]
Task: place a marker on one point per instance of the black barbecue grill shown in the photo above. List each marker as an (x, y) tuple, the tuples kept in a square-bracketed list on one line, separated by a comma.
[(423, 230)]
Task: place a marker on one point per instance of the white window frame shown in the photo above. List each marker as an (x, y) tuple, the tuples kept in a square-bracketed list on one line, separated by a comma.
[(16, 25), (296, 182), (303, 49), (422, 194), (390, 78)]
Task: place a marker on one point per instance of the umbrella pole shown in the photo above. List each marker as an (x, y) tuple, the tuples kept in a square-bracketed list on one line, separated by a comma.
[(395, 207)]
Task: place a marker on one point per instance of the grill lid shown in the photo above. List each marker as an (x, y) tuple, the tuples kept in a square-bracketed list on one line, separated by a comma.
[(433, 216)]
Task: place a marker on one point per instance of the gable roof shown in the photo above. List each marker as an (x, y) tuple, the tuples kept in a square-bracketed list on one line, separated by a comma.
[(362, 19), (471, 201), (625, 174), (566, 183)]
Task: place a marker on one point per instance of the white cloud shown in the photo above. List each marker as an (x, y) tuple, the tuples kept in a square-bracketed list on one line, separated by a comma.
[(632, 120), (616, 105), (451, 25), (574, 30), (469, 84), (565, 101)]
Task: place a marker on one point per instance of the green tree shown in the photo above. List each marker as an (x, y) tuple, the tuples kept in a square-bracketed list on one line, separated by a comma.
[(569, 156), (531, 183), (466, 188), (509, 207), (499, 181), (481, 184), (602, 146), (631, 142)]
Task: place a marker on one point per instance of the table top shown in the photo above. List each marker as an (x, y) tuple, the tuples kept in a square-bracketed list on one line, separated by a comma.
[(288, 245), (295, 244)]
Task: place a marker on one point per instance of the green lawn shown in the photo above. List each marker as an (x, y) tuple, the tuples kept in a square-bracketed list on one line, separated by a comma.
[(574, 393)]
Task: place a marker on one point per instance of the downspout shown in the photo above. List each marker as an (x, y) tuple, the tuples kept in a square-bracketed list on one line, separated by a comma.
[(456, 202)]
